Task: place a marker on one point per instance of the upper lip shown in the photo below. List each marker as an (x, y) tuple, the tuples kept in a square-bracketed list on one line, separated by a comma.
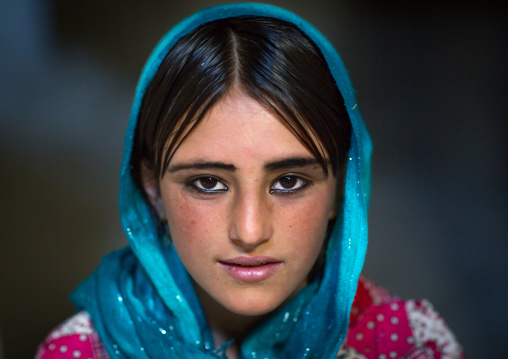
[(250, 261)]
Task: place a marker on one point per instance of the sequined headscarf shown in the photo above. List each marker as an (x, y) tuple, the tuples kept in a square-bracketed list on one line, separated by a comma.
[(141, 299)]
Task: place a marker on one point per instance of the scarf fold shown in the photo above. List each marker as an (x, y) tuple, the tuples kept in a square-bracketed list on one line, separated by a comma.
[(141, 299)]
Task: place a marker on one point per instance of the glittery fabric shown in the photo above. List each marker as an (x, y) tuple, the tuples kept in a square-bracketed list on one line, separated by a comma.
[(381, 327), (141, 299)]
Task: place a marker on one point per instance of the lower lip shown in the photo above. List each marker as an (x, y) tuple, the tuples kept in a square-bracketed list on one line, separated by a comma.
[(251, 274)]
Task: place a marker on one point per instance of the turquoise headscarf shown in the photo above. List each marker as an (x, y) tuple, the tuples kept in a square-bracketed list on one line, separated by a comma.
[(141, 299)]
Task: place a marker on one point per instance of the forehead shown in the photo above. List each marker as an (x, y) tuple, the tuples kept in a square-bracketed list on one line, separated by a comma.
[(240, 128)]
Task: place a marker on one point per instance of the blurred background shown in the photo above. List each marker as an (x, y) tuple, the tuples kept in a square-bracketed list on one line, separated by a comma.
[(431, 84)]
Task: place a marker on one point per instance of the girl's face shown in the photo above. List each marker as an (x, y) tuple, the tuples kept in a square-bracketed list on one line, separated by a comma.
[(247, 207)]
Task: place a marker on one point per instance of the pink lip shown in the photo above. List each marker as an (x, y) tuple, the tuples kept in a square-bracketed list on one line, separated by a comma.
[(251, 269)]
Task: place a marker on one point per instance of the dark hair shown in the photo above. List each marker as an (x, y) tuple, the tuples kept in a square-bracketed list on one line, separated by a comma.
[(268, 59)]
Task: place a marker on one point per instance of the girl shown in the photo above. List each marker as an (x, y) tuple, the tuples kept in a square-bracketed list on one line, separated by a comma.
[(244, 196)]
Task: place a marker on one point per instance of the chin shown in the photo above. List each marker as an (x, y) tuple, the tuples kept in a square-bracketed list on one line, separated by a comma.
[(252, 304), (250, 311), (245, 300)]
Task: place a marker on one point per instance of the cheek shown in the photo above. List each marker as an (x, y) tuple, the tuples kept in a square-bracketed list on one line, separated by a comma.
[(306, 223), (191, 223)]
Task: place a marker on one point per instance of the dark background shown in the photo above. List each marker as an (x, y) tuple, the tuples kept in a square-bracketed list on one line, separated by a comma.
[(431, 84)]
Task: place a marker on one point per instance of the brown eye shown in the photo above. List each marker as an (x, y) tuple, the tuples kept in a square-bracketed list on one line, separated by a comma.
[(208, 184), (289, 184)]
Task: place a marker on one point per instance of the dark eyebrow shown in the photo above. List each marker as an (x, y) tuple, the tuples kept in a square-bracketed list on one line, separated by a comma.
[(199, 165), (288, 163)]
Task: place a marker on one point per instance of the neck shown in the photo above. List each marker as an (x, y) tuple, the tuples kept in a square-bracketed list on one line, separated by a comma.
[(226, 325)]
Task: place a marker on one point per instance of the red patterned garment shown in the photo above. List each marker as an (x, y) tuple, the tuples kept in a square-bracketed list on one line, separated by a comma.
[(381, 327)]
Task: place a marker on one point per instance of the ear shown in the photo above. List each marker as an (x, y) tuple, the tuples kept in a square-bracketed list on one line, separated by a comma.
[(150, 184)]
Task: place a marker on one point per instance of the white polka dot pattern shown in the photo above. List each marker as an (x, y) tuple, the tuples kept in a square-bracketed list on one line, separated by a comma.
[(430, 331)]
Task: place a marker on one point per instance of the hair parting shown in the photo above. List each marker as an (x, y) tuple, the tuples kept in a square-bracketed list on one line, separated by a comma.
[(269, 60)]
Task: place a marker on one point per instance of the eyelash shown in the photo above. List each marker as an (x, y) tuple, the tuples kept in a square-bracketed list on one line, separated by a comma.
[(192, 184), (299, 180)]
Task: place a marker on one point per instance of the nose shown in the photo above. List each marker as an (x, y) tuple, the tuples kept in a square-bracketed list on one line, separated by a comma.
[(251, 225)]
